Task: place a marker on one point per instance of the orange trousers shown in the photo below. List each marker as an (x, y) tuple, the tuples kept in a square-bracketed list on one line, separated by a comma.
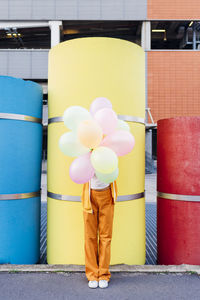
[(98, 235)]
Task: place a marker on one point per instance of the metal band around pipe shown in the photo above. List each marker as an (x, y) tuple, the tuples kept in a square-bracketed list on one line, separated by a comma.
[(179, 197), (132, 119), (8, 116), (19, 196), (78, 198), (121, 117)]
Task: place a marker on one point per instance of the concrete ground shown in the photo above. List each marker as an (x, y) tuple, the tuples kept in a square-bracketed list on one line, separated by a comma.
[(122, 286), (44, 187), (150, 188)]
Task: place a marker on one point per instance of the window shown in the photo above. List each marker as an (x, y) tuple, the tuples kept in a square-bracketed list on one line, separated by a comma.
[(25, 38), (175, 35), (127, 30)]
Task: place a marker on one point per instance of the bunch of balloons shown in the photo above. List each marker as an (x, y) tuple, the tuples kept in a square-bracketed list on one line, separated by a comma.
[(97, 137)]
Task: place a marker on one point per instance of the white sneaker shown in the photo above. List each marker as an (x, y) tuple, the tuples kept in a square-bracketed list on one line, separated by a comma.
[(93, 284), (103, 284)]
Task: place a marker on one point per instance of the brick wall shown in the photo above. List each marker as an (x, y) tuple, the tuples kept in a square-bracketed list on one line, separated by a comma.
[(173, 9), (173, 82)]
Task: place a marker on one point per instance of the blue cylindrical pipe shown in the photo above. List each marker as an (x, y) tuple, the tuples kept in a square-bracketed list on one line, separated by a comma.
[(20, 171)]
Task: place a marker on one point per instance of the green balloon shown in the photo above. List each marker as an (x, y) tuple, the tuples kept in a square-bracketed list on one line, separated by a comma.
[(70, 145), (104, 160), (108, 178), (74, 115)]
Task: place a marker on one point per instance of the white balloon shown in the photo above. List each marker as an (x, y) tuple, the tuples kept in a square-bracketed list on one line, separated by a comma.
[(99, 103), (74, 115), (104, 160), (70, 145)]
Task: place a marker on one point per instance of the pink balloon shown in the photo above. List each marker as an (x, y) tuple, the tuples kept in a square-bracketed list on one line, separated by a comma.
[(107, 119), (99, 103), (81, 169), (121, 142)]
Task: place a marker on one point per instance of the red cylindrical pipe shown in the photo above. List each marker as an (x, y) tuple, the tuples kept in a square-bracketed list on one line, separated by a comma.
[(178, 172)]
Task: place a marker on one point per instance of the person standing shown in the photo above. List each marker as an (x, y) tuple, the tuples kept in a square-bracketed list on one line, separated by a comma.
[(98, 201)]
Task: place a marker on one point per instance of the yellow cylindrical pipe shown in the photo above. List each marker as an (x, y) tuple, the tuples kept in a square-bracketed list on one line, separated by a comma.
[(81, 70)]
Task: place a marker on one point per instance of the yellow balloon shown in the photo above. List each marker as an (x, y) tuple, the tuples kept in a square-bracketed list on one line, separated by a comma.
[(90, 134), (104, 160)]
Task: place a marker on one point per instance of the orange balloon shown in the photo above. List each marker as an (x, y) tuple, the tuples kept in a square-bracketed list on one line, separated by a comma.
[(90, 133)]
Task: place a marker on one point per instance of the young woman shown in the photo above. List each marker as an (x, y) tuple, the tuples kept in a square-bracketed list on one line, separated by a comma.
[(98, 201)]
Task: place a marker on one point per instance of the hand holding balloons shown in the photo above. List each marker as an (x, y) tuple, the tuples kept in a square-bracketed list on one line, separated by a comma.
[(97, 138)]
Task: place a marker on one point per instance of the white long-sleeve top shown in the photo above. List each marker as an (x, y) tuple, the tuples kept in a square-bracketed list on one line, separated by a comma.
[(96, 184)]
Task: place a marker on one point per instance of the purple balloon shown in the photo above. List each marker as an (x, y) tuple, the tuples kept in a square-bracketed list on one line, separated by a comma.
[(81, 169), (98, 104), (121, 142), (107, 119)]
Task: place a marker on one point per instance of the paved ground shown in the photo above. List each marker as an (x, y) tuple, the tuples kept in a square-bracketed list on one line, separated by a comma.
[(150, 188), (122, 286), (44, 186)]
